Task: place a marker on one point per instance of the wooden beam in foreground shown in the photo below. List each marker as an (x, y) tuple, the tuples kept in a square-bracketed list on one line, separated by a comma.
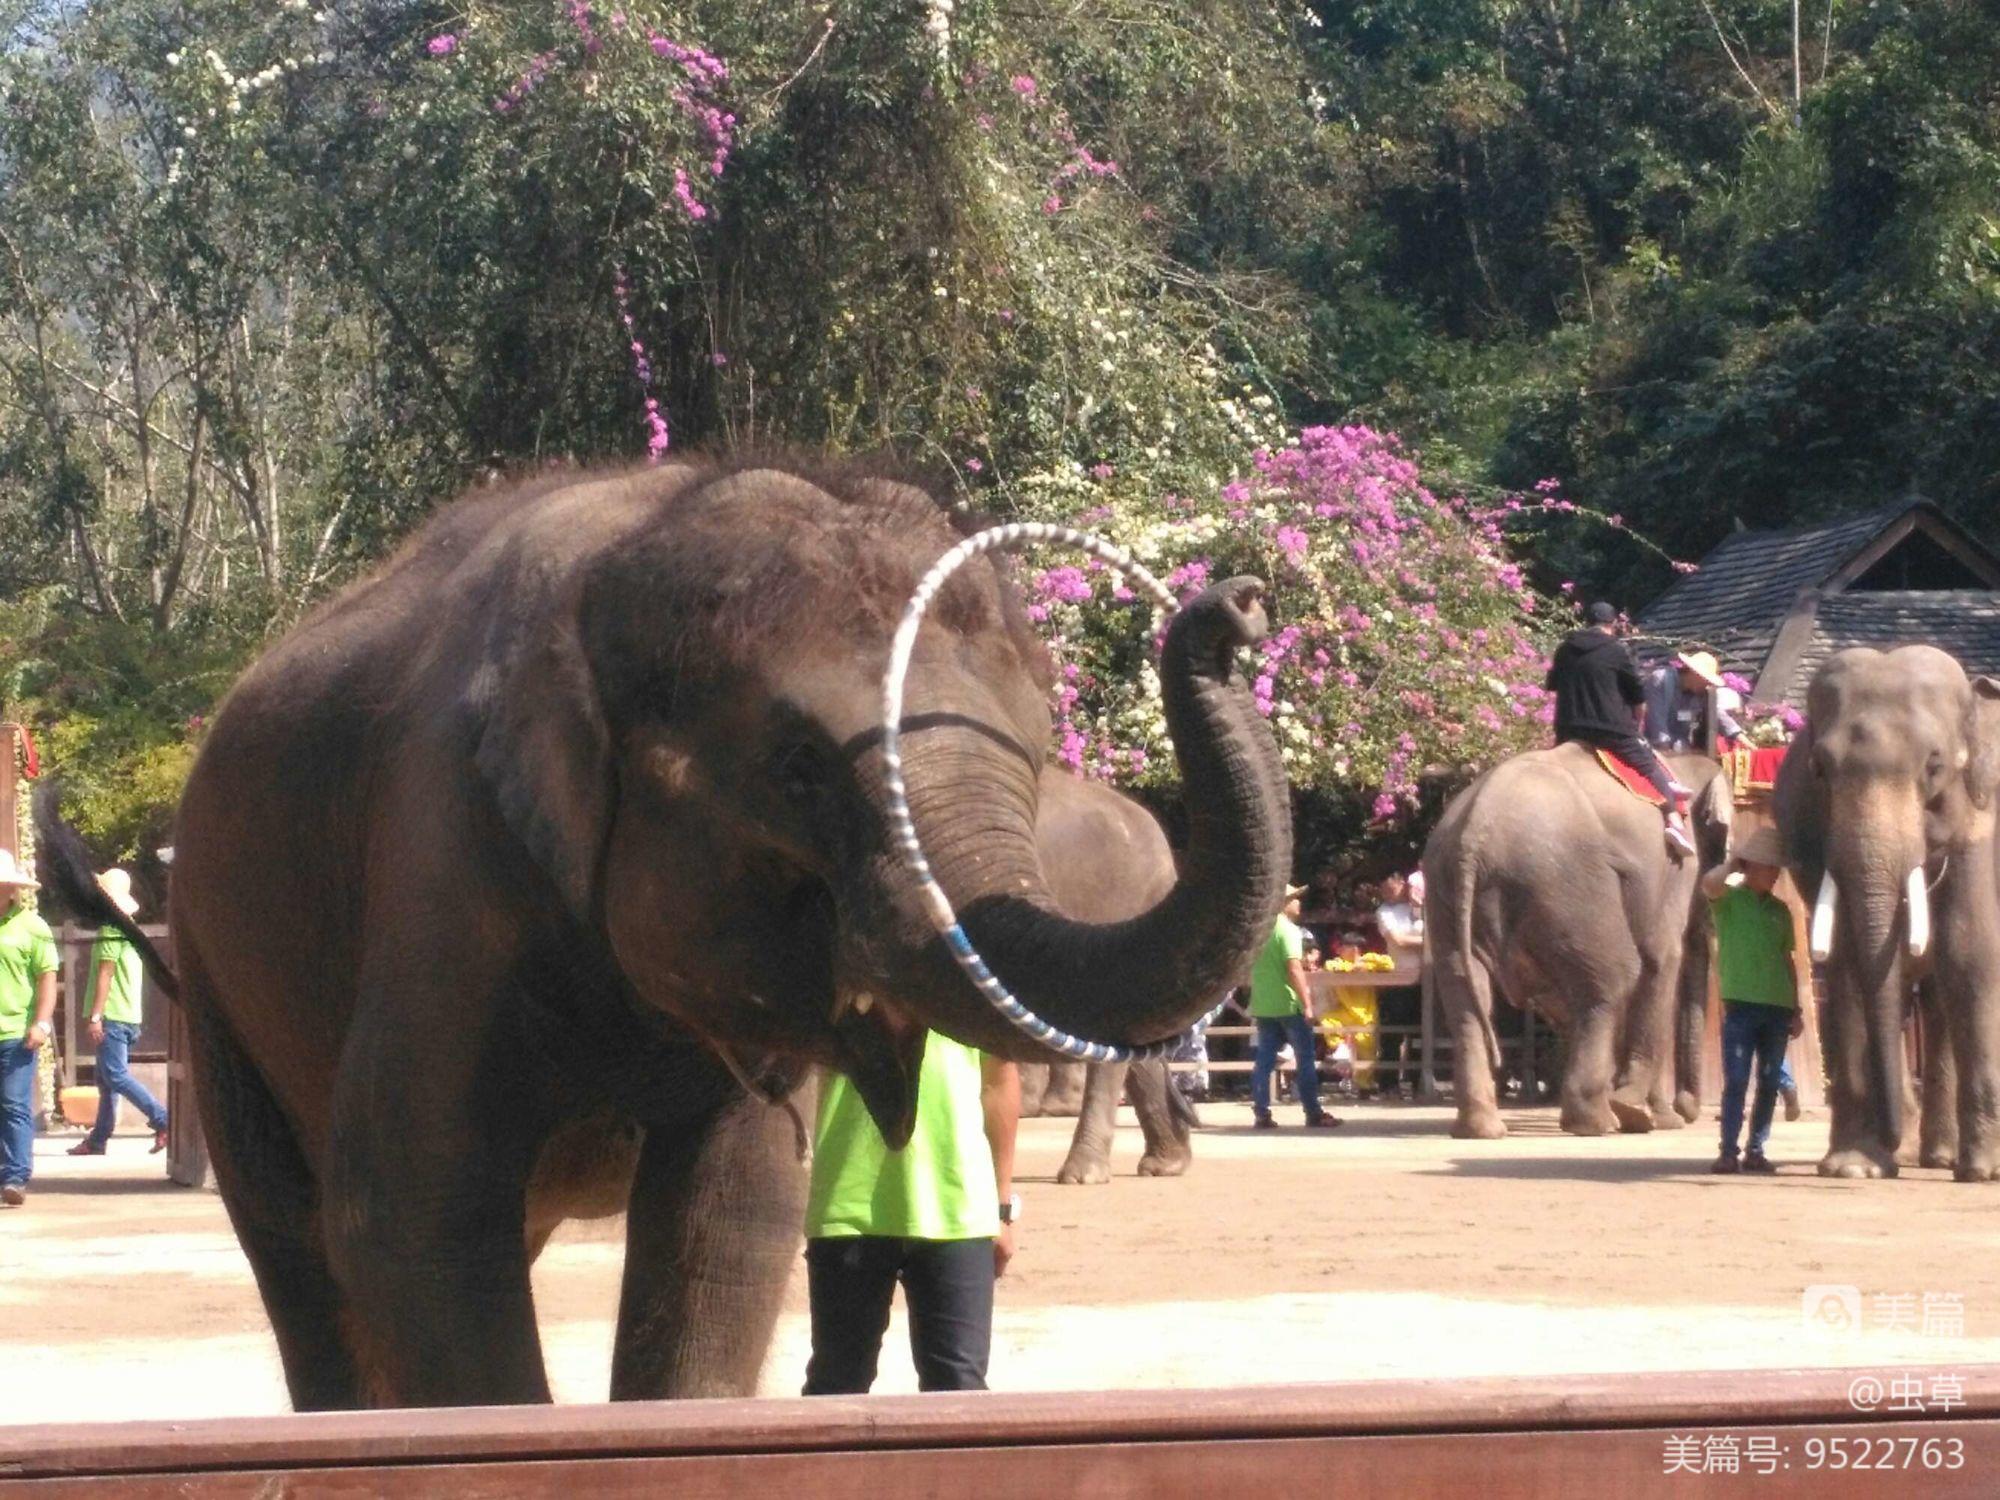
[(1763, 1433)]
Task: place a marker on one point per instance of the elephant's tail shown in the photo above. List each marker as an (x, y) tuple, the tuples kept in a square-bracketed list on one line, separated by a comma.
[(65, 863)]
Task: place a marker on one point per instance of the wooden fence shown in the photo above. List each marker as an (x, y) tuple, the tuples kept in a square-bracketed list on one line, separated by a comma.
[(1754, 1433)]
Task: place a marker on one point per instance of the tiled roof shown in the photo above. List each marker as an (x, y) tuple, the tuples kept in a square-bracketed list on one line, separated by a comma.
[(1735, 601), (1965, 622)]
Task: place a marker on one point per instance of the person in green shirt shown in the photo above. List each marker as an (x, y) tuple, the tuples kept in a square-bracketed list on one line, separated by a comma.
[(1281, 1008), (117, 982), (1760, 1003), (27, 1001), (938, 1216)]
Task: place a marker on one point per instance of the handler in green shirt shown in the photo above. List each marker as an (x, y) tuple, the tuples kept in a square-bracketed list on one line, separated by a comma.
[(938, 1216), (1760, 1002), (117, 983), (27, 989), (1281, 1008)]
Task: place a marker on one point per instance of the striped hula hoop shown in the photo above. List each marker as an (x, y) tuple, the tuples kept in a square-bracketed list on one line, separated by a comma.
[(903, 828)]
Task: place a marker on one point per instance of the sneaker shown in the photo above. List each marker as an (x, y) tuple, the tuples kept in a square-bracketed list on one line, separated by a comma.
[(13, 1195), (1725, 1166), (1323, 1122), (1677, 837), (159, 1141), (87, 1148), (1758, 1162), (1790, 1094), (1265, 1122)]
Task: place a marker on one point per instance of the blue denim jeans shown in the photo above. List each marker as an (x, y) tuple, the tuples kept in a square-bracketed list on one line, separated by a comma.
[(1754, 1037), (1272, 1033), (17, 1114), (115, 1081)]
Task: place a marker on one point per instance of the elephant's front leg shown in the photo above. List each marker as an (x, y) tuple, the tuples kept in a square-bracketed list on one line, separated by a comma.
[(1586, 1088), (1972, 1006), (424, 1215), (711, 1238), (1937, 1140), (1641, 1101), (1089, 1159), (1165, 1119)]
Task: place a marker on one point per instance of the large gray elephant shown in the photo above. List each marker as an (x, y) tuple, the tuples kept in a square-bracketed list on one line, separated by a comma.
[(519, 872), (1106, 859), (1885, 801), (1552, 886)]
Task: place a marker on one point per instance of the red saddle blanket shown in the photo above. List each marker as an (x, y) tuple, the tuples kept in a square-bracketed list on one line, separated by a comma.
[(1629, 778)]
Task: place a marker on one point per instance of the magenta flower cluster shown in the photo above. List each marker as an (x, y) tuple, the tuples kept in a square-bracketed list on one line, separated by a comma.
[(530, 80), (442, 45), (657, 436)]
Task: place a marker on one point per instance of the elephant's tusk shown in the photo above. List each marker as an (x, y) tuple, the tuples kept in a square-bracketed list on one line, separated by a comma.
[(1919, 902), (1822, 918)]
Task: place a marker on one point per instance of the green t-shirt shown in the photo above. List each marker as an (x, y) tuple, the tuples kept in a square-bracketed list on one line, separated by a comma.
[(1753, 948), (1270, 985), (27, 951), (122, 1001), (939, 1187)]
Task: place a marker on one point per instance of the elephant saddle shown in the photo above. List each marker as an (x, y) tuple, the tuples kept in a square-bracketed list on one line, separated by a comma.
[(1629, 778)]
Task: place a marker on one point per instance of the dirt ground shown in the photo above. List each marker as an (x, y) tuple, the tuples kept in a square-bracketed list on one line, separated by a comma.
[(1383, 1249)]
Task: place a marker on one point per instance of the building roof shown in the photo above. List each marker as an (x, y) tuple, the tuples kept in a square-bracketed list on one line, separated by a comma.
[(1765, 601), (1964, 622)]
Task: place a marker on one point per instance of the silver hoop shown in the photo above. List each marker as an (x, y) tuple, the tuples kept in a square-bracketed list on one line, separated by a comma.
[(902, 826)]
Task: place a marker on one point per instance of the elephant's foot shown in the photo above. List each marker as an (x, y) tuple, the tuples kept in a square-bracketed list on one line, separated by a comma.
[(1909, 1154), (1479, 1125), (1856, 1161), (1076, 1173), (1165, 1165), (1665, 1116), (1938, 1156), (1588, 1119), (1976, 1164), (1687, 1106), (1634, 1117)]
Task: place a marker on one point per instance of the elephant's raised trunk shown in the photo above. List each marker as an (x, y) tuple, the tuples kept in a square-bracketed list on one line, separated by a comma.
[(1144, 979)]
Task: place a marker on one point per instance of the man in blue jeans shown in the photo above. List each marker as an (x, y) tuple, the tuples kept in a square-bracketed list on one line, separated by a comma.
[(1760, 1005), (1281, 1005), (117, 979), (27, 1001)]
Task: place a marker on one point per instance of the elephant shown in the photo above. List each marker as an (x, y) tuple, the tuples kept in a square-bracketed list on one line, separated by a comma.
[(524, 877), (1549, 882), (1885, 802), (1107, 859)]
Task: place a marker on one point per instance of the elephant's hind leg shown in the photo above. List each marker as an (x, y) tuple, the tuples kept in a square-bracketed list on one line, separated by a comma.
[(1089, 1159), (710, 1242), (271, 1196), (1464, 994)]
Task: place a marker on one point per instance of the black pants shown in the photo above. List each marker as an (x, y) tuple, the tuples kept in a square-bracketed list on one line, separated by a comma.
[(947, 1287), (1636, 753)]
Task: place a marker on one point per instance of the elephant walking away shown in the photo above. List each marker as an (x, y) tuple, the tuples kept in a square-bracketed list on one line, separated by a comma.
[(538, 861), (1548, 885), (1886, 804)]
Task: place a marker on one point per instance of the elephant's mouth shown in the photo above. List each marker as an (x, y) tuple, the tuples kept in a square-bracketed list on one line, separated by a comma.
[(882, 1052)]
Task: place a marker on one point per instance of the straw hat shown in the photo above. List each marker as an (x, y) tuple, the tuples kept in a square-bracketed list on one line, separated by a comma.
[(13, 875), (1703, 664), (1293, 892), (1761, 846), (116, 884)]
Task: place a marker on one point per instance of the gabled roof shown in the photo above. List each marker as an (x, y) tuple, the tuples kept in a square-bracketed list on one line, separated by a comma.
[(1964, 622)]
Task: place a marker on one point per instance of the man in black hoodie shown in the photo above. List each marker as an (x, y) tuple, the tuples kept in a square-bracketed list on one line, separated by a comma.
[(1599, 696)]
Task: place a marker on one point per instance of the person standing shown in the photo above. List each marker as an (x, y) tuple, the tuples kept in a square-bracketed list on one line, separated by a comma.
[(1598, 697), (1400, 1009), (28, 966), (937, 1216), (1281, 1008), (1760, 1003), (117, 984)]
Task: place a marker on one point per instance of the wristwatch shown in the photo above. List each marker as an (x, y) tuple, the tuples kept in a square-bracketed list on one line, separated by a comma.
[(1010, 1211)]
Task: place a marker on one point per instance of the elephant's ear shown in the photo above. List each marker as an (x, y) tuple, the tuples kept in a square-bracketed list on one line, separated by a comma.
[(544, 747), (1982, 741), (1797, 804)]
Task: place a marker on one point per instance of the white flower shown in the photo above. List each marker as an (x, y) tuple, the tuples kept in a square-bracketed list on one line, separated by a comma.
[(173, 59)]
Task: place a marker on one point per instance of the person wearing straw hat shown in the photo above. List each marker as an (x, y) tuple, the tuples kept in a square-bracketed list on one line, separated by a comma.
[(1760, 1003), (28, 966), (1677, 698), (1281, 1008), (116, 984)]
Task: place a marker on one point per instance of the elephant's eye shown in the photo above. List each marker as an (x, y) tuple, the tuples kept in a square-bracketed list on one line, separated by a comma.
[(798, 770)]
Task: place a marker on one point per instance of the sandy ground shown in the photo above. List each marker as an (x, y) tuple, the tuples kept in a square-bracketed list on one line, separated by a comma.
[(1384, 1249)]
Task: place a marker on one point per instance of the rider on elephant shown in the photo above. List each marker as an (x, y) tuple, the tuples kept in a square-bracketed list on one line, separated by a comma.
[(1598, 696)]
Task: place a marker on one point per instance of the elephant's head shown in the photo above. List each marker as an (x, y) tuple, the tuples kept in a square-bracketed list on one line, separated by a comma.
[(1891, 781), (692, 751)]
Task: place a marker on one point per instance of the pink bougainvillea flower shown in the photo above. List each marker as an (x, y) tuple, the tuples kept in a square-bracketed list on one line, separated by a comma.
[(442, 45)]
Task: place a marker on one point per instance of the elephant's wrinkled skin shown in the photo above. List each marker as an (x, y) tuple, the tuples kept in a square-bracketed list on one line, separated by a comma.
[(1550, 883), (1895, 773), (485, 868), (1106, 860)]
